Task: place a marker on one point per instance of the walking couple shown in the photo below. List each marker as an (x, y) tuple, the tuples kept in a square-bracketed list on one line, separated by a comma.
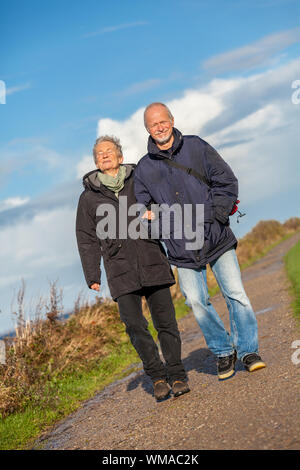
[(183, 170)]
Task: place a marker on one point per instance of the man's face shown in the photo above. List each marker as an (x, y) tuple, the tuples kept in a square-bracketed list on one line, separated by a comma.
[(108, 158), (159, 125)]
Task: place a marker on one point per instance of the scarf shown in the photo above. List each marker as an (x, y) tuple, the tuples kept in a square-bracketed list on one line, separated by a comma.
[(114, 183)]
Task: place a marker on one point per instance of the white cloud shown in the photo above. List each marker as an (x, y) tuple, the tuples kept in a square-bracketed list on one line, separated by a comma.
[(19, 153), (6, 91), (12, 202), (38, 250), (131, 132), (251, 121), (253, 55), (254, 125), (85, 165), (113, 28), (16, 89), (45, 241), (14, 278)]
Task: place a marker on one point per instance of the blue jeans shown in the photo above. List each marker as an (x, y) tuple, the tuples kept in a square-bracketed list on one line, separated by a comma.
[(243, 324)]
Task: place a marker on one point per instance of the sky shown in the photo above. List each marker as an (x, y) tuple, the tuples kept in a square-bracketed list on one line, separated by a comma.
[(71, 70)]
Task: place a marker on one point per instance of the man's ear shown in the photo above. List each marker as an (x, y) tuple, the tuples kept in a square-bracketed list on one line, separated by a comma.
[(121, 159)]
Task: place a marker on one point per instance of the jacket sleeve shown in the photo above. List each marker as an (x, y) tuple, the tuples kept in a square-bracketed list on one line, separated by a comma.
[(141, 191), (88, 243), (223, 183), (144, 197)]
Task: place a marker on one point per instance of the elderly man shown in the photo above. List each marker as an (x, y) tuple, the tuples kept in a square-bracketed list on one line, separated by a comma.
[(134, 267), (187, 170)]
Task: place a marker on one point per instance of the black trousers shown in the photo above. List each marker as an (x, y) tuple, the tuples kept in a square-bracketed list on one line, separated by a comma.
[(162, 312)]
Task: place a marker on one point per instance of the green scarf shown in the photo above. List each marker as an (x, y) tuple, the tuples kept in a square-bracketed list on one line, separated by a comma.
[(114, 183)]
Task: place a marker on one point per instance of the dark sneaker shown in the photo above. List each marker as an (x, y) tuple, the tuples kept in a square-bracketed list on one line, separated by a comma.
[(161, 390), (226, 366), (179, 388), (253, 362)]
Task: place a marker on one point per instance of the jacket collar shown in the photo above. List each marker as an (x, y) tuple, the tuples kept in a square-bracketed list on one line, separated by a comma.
[(155, 151), (91, 180)]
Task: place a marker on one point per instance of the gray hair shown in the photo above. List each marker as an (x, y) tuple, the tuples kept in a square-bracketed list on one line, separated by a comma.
[(107, 138), (157, 104)]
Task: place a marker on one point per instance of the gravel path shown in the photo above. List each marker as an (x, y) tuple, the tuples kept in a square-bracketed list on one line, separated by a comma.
[(249, 411)]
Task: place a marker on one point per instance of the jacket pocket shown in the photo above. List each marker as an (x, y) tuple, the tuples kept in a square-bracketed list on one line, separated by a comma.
[(112, 248)]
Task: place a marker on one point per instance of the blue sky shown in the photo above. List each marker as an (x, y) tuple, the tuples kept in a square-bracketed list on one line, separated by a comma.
[(75, 69)]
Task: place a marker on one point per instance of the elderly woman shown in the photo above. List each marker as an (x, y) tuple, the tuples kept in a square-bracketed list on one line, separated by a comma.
[(134, 267)]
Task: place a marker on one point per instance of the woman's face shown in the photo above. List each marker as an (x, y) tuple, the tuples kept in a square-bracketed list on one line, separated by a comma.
[(108, 157)]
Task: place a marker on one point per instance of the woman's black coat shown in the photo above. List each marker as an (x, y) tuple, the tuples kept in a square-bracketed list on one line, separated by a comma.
[(129, 264)]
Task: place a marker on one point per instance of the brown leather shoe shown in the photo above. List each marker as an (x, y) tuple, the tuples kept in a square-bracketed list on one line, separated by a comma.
[(161, 390), (179, 388)]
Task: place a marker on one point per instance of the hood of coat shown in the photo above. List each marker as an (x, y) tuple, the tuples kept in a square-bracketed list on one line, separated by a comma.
[(92, 182), (153, 150)]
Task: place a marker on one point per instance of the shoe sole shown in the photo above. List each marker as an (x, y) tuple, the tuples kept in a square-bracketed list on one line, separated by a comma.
[(227, 375), (163, 397), (256, 366), (181, 393)]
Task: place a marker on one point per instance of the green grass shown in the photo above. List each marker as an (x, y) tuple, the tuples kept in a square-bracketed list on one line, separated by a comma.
[(292, 264)]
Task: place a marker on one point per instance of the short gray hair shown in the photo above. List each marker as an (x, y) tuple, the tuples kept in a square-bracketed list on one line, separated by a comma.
[(157, 104), (107, 138)]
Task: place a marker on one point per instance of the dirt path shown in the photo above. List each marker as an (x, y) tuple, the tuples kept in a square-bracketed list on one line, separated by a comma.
[(250, 411)]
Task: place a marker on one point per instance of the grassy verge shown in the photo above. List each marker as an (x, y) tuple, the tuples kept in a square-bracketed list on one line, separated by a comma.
[(292, 263), (19, 430), (265, 251)]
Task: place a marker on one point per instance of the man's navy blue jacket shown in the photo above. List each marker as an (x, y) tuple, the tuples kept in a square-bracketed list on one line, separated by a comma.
[(159, 183)]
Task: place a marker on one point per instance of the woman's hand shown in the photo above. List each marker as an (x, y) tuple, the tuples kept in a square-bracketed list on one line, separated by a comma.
[(95, 287), (149, 215)]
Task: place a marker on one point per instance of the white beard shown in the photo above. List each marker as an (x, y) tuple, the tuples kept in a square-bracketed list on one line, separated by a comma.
[(164, 140)]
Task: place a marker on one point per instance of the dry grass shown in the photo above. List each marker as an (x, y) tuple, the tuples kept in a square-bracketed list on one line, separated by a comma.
[(44, 350), (47, 348)]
